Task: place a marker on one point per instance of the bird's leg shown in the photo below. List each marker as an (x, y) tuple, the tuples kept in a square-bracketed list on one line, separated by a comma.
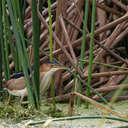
[(23, 102), (9, 98), (21, 99)]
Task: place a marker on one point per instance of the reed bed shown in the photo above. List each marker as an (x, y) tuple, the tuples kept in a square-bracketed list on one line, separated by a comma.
[(88, 37)]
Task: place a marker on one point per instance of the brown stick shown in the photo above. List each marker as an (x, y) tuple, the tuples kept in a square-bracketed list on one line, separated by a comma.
[(61, 97), (120, 5), (67, 38), (112, 24), (103, 74), (96, 104), (57, 40), (59, 43), (110, 88), (68, 21), (98, 31), (106, 8), (119, 37), (71, 104), (111, 52), (68, 86), (108, 98)]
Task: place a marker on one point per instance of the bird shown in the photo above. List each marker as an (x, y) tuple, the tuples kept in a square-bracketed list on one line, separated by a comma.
[(17, 85), (46, 71)]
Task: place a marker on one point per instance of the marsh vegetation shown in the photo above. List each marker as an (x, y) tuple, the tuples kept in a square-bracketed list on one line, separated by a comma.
[(88, 37)]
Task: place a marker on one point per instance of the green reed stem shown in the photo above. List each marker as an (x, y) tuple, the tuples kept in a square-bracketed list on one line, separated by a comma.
[(20, 27), (84, 33), (118, 92), (94, 91), (15, 12), (106, 65), (80, 117), (75, 75), (1, 35), (88, 86), (21, 32), (91, 48), (50, 30), (51, 50), (19, 14), (46, 54), (20, 51), (83, 44), (12, 47), (23, 7), (36, 40), (6, 59), (26, 57), (75, 80)]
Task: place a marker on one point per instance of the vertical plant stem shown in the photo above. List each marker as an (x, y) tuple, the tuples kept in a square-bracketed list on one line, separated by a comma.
[(75, 75), (83, 45), (36, 39), (6, 66), (73, 98), (92, 89), (84, 33), (91, 48), (21, 32), (20, 51), (12, 47), (0, 45), (51, 50), (23, 7), (19, 15), (50, 30), (16, 8), (15, 11), (40, 10), (36, 30)]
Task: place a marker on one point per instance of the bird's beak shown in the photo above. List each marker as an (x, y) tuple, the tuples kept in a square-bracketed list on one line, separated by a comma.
[(60, 67)]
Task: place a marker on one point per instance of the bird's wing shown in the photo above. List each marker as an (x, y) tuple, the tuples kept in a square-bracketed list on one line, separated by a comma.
[(42, 75), (17, 75), (45, 79), (16, 84)]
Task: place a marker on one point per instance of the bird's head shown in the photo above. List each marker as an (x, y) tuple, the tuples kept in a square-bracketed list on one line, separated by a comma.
[(52, 67), (46, 72)]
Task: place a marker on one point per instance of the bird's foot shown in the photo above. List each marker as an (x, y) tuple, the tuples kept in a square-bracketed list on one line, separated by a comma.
[(9, 98), (25, 102)]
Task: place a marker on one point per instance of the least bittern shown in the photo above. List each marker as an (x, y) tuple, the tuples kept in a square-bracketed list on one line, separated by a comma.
[(17, 85)]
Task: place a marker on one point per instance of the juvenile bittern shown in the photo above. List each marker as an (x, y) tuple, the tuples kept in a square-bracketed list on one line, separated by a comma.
[(17, 85)]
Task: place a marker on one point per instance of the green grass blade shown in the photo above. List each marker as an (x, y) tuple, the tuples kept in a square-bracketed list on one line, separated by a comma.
[(15, 12), (51, 50), (82, 117), (83, 44), (12, 47), (20, 52), (106, 65), (36, 39), (6, 59), (23, 7), (19, 19), (84, 33), (88, 86), (21, 32), (0, 45), (91, 47)]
